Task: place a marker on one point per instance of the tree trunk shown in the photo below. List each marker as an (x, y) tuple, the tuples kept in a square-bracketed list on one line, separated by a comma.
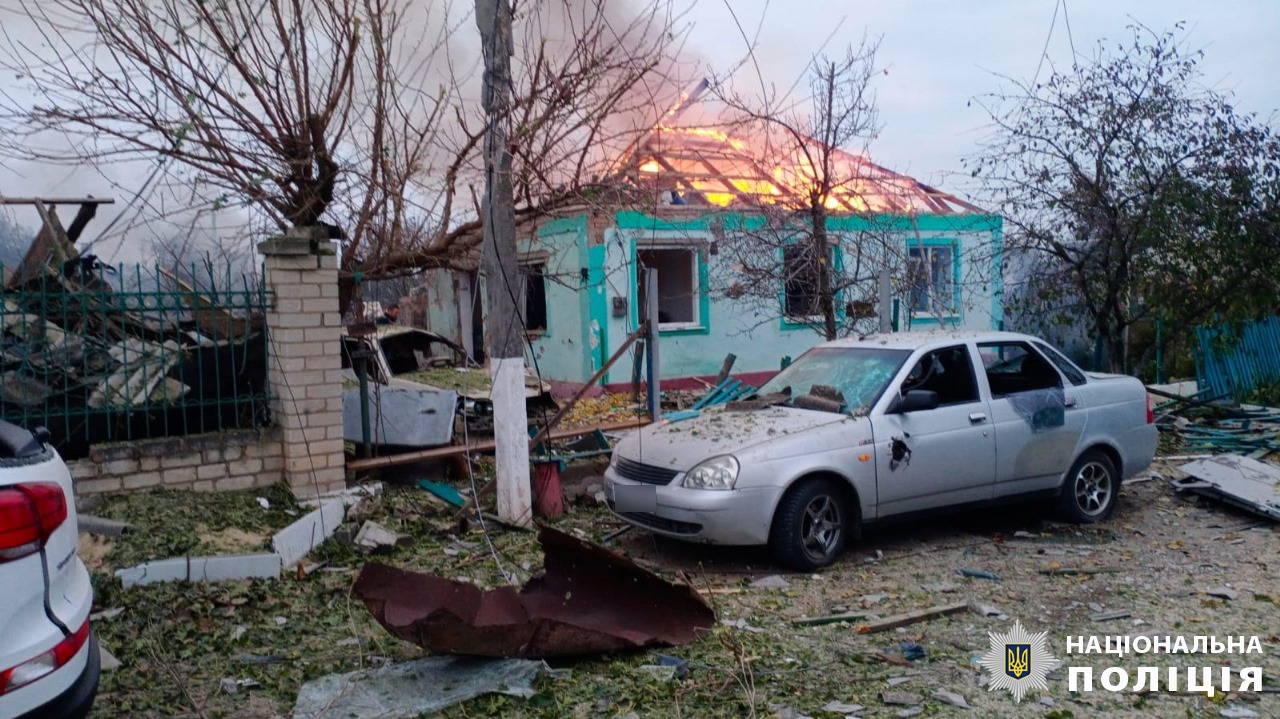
[(826, 297)]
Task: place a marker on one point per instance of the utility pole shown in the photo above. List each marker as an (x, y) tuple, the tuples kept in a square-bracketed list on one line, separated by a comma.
[(502, 272)]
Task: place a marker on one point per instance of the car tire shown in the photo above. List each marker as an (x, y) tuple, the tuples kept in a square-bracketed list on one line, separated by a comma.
[(811, 525), (1091, 488)]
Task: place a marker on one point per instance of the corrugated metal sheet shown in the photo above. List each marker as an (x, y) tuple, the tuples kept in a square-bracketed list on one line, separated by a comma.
[(1235, 361)]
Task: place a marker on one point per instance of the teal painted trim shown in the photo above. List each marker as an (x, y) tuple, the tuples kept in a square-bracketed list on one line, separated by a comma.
[(596, 319), (997, 277), (705, 222), (956, 318), (564, 226), (923, 223)]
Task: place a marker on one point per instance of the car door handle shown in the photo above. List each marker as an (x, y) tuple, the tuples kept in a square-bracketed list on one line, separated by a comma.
[(1069, 402), (976, 417)]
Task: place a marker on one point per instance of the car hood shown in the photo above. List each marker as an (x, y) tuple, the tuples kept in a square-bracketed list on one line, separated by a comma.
[(684, 443)]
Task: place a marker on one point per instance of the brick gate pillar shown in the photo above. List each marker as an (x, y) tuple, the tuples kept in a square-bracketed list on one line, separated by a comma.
[(304, 360)]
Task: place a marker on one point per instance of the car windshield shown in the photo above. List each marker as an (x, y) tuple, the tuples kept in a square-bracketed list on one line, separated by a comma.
[(858, 374)]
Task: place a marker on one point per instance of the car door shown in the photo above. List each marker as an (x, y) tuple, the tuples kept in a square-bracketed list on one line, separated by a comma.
[(1037, 420), (941, 456)]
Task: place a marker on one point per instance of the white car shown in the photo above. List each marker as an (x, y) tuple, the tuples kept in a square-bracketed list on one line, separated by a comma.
[(49, 661), (864, 430)]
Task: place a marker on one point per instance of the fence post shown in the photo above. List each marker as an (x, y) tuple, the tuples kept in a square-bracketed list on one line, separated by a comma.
[(304, 365)]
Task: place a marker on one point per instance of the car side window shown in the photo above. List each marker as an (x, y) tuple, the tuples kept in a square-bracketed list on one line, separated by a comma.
[(947, 371), (1014, 367), (1073, 373)]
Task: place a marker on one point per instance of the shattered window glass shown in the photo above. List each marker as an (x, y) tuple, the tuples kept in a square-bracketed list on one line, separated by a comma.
[(860, 374)]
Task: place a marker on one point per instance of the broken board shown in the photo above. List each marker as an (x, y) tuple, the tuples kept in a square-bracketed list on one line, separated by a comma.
[(1238, 480)]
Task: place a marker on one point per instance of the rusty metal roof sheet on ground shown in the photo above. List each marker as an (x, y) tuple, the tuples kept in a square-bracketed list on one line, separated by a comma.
[(587, 601), (1238, 480)]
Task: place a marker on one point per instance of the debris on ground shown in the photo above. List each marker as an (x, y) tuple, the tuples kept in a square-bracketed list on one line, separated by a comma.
[(1222, 593), (836, 707), (1242, 481), (298, 539), (90, 524), (829, 619), (409, 689), (444, 491), (901, 698), (574, 608), (773, 581), (374, 537), (1110, 616), (1076, 571), (202, 569), (978, 574), (951, 698), (902, 620), (108, 661)]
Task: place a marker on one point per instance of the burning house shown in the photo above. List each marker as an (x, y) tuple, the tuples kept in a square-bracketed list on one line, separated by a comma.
[(727, 216)]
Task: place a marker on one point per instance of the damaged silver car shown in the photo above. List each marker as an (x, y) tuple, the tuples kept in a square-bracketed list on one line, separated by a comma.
[(863, 430)]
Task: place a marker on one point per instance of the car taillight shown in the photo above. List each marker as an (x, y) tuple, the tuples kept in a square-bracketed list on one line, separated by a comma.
[(29, 514), (44, 663), (1151, 415)]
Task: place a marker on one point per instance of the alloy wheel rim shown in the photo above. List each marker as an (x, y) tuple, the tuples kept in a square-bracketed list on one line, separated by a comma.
[(1093, 489), (821, 527)]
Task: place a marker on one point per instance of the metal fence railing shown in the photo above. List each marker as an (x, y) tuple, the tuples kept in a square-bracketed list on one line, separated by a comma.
[(103, 354), (1235, 361)]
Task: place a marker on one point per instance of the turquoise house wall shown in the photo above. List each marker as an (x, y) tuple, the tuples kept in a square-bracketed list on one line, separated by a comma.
[(564, 350), (583, 330)]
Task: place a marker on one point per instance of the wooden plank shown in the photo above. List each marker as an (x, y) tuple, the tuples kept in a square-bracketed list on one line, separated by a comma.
[(559, 415), (829, 619), (902, 620), (392, 460)]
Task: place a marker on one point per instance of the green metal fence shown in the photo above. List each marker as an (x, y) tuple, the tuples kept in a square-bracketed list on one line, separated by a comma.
[(102, 354)]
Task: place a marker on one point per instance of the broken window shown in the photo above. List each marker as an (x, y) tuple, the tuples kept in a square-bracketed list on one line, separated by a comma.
[(1064, 365), (678, 289), (947, 371), (800, 297), (933, 279), (1014, 367), (534, 276)]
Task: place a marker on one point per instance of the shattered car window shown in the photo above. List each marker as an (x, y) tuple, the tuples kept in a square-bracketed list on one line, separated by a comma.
[(859, 374)]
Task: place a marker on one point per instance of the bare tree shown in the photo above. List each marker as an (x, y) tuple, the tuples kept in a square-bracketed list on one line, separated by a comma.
[(354, 113), (813, 164), (1134, 193)]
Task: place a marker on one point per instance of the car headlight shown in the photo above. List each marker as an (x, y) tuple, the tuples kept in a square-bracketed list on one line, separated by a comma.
[(715, 473)]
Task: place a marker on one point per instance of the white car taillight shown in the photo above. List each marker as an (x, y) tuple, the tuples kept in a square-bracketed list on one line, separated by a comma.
[(44, 663), (29, 514)]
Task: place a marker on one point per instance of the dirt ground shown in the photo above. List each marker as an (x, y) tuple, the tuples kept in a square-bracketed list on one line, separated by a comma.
[(1158, 556)]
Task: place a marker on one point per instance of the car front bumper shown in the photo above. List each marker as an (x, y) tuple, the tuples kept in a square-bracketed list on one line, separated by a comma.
[(730, 517)]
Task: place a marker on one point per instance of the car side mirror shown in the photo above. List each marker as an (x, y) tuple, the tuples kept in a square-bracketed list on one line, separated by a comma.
[(914, 401)]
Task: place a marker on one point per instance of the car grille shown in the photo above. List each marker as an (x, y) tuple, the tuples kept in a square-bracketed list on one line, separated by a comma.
[(647, 473), (653, 521)]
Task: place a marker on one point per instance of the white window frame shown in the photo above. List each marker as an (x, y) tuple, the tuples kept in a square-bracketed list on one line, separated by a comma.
[(695, 251), (953, 310)]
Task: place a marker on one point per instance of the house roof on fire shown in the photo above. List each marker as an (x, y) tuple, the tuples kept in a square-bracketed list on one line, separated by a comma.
[(757, 165)]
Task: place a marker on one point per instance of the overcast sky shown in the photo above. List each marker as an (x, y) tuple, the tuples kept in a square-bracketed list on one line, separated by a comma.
[(939, 55), (942, 53)]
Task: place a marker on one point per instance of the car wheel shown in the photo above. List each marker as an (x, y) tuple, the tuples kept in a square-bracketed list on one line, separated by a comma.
[(1091, 489), (810, 525)]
